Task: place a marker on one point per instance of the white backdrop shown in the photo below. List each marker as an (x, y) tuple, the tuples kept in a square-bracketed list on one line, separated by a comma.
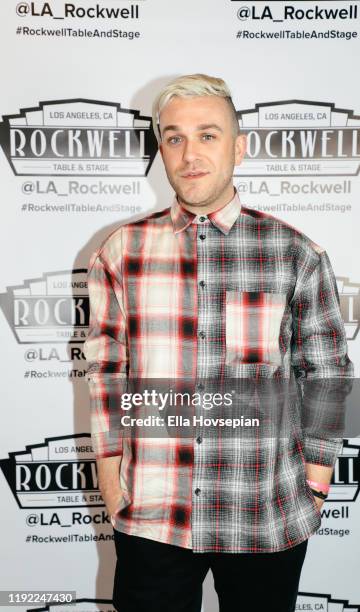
[(78, 80)]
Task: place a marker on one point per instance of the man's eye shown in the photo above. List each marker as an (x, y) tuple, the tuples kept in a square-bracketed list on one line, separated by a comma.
[(173, 139), (208, 136)]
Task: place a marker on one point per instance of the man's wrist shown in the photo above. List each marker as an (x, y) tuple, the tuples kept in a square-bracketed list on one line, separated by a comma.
[(319, 494), (323, 487)]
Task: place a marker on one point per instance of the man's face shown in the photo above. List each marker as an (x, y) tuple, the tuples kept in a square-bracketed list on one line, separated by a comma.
[(199, 149)]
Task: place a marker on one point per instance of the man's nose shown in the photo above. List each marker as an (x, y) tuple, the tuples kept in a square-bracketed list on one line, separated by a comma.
[(190, 151)]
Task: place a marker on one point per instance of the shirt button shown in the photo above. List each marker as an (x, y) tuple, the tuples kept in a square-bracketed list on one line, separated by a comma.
[(202, 218), (199, 439), (197, 491), (202, 283), (202, 237), (201, 386), (202, 334)]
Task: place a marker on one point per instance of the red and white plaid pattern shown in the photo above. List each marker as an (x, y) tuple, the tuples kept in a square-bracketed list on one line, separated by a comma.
[(235, 293)]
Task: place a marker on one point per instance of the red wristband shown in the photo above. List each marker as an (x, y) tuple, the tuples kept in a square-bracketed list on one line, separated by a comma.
[(321, 486)]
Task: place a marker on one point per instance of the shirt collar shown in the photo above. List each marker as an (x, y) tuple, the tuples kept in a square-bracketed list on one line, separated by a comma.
[(223, 218)]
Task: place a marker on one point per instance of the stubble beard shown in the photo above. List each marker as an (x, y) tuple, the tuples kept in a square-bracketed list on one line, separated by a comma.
[(198, 201)]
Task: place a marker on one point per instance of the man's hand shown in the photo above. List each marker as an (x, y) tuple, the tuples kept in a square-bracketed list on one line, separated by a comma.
[(112, 504), (318, 473), (108, 473)]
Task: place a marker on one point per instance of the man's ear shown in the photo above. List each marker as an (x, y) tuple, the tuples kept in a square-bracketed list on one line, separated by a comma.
[(240, 148), (161, 149)]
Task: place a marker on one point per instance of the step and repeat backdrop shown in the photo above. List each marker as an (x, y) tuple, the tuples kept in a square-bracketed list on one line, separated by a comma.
[(77, 158)]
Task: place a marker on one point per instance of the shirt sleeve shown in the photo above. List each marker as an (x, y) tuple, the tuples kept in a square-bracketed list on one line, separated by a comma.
[(106, 352), (319, 358)]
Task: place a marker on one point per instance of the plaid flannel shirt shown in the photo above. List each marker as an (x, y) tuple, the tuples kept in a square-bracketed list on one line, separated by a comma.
[(234, 293)]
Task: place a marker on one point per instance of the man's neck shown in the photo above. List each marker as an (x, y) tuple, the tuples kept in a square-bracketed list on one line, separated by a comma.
[(208, 208)]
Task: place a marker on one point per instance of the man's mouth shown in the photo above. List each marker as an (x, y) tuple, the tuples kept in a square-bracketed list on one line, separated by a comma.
[(194, 175)]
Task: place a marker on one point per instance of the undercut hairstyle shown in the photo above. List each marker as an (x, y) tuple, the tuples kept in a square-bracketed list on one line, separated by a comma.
[(190, 86)]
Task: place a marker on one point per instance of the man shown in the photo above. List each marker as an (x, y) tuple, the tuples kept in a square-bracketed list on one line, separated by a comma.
[(208, 289)]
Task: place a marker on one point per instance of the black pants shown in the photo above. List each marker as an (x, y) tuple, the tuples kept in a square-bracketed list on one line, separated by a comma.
[(155, 577)]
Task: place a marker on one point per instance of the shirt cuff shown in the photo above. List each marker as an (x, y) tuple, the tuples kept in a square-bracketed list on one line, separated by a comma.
[(322, 452)]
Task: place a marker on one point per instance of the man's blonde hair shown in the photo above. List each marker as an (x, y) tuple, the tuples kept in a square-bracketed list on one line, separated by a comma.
[(192, 85)]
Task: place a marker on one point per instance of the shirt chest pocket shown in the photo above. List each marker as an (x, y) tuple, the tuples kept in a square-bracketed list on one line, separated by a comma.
[(253, 320)]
